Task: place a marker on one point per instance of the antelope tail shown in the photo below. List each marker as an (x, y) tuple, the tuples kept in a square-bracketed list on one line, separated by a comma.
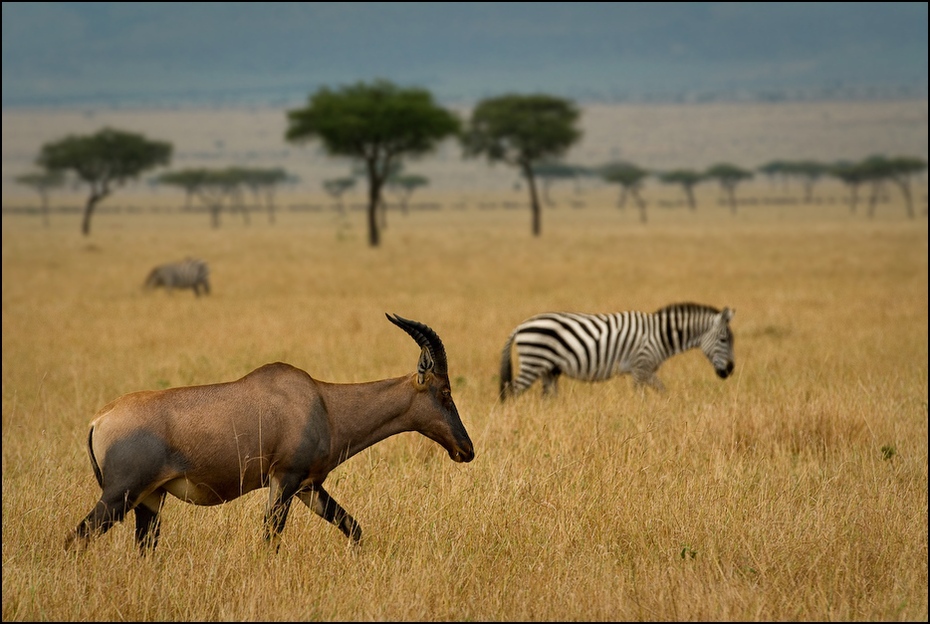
[(93, 459)]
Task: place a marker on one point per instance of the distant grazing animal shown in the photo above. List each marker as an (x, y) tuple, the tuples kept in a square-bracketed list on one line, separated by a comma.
[(595, 347), (188, 273), (276, 427)]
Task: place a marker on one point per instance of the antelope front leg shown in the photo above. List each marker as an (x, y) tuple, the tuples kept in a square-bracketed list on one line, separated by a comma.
[(280, 494), (325, 507)]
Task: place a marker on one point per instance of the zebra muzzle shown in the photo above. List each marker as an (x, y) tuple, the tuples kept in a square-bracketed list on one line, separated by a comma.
[(723, 373)]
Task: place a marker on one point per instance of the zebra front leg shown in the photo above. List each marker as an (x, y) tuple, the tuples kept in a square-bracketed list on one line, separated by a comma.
[(327, 508), (647, 377)]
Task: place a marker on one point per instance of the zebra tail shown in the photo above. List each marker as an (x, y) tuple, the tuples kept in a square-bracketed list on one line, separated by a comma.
[(506, 368), (151, 279)]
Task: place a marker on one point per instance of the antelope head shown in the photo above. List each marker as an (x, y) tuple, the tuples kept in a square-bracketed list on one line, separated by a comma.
[(438, 418)]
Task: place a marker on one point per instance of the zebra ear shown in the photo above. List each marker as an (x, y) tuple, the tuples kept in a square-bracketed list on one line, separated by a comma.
[(727, 314), (424, 365)]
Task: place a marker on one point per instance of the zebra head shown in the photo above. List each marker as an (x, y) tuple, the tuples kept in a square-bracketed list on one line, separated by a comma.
[(717, 343)]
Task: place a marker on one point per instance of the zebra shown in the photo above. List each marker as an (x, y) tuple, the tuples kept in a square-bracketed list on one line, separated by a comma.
[(188, 273), (596, 347)]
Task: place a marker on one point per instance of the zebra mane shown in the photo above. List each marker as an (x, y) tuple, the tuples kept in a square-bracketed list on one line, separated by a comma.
[(688, 307)]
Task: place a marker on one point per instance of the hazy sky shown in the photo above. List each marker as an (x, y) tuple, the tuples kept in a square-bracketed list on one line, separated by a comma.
[(150, 52)]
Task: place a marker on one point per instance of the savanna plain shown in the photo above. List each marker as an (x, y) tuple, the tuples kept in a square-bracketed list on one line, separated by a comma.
[(794, 490)]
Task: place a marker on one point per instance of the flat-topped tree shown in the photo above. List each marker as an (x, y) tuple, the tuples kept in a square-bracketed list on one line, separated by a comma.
[(335, 187), (630, 177), (550, 171), (377, 123), (42, 182), (853, 175), (104, 160), (809, 172), (404, 184), (897, 170), (523, 131), (263, 183), (214, 187), (687, 179), (729, 176)]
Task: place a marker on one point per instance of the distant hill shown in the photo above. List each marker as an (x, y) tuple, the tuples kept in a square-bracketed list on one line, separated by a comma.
[(92, 53)]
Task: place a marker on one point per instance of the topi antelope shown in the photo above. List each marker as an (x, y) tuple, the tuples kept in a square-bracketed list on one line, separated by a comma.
[(276, 427)]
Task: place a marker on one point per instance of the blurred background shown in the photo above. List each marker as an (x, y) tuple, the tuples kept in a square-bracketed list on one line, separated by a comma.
[(271, 53)]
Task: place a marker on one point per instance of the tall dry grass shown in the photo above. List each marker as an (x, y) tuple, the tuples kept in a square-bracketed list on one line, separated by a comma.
[(795, 490)]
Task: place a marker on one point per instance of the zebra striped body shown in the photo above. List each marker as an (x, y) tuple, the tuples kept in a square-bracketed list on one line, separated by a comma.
[(596, 347), (188, 273)]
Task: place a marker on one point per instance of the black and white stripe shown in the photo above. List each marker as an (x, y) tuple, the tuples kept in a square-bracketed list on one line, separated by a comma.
[(188, 273), (595, 347)]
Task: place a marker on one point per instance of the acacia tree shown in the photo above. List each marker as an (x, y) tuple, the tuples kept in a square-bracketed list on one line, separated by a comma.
[(404, 184), (104, 160), (522, 131), (42, 182), (729, 176), (630, 177), (550, 171), (776, 170), (898, 170), (377, 123), (263, 184), (852, 175), (809, 171), (687, 179), (212, 186), (335, 187)]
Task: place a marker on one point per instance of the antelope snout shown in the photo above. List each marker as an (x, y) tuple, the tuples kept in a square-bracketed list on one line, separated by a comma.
[(463, 454)]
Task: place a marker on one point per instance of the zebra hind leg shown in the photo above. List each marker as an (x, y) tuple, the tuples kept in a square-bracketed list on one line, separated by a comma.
[(550, 382), (527, 376)]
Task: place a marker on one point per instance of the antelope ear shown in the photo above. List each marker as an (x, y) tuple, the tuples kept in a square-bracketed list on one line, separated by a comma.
[(425, 365)]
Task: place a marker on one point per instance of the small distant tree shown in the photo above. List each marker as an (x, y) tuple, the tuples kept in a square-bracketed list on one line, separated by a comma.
[(853, 175), (687, 179), (188, 180), (879, 169), (336, 187), (522, 131), (43, 182), (377, 123), (729, 176), (906, 167), (404, 185), (263, 184), (775, 170), (214, 187), (809, 172), (550, 172), (630, 177), (104, 160)]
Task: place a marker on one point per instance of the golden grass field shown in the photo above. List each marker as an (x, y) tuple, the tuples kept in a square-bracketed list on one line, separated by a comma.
[(795, 490)]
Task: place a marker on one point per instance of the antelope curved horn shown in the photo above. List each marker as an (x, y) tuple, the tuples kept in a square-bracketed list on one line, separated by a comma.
[(426, 338)]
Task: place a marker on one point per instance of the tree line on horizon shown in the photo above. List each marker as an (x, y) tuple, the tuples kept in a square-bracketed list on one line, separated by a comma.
[(379, 126)]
